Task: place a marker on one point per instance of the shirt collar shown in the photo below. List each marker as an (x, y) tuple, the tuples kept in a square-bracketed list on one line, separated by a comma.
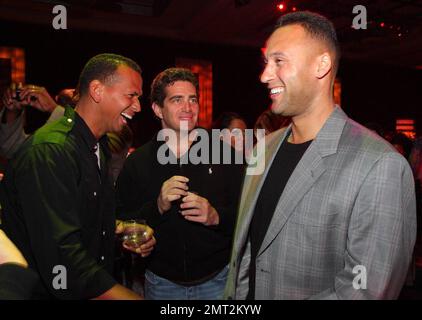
[(85, 132)]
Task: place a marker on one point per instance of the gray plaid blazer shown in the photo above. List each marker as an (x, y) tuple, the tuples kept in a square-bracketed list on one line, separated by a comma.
[(344, 227)]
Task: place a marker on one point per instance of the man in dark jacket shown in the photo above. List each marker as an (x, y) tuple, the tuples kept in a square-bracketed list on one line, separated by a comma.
[(57, 197), (191, 205)]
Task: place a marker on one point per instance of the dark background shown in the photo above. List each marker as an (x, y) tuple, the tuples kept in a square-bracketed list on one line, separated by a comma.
[(371, 92)]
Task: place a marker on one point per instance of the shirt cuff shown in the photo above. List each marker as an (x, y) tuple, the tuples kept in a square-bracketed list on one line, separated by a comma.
[(16, 282), (101, 283)]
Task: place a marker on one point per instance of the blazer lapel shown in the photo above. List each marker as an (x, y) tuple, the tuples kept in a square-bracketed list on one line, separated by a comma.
[(252, 187), (308, 170), (306, 173)]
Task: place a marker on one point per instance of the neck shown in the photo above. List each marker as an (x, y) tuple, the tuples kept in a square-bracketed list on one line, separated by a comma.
[(182, 143), (88, 114), (306, 126)]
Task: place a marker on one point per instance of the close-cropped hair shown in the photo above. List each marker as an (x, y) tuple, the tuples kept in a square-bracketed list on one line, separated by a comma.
[(168, 77), (103, 67), (317, 27)]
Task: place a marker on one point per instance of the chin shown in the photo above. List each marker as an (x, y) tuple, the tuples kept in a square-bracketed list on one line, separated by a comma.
[(191, 126), (279, 109), (276, 109), (116, 129)]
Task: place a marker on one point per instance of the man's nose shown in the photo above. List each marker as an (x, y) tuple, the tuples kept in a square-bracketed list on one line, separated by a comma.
[(187, 106), (267, 74), (137, 104)]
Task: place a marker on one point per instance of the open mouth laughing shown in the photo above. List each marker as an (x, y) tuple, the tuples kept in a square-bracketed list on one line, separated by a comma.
[(276, 91), (126, 116)]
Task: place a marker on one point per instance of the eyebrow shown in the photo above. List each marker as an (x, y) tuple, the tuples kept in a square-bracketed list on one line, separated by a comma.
[(136, 93), (277, 54), (181, 96)]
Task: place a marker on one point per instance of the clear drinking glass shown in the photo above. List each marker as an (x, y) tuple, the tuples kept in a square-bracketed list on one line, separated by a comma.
[(135, 232)]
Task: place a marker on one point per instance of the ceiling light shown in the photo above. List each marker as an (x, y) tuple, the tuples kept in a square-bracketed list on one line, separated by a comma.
[(281, 7)]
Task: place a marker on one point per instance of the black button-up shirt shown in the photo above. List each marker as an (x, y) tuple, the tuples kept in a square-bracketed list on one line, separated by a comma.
[(186, 252), (58, 208)]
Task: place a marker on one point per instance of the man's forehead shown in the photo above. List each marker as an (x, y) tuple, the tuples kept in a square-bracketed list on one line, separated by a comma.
[(127, 73), (289, 31), (180, 87), (284, 37)]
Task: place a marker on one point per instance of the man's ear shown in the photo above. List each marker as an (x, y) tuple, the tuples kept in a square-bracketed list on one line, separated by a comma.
[(96, 90), (324, 65), (157, 110)]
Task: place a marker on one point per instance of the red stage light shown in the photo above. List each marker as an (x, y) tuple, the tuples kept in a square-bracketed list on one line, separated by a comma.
[(294, 9), (280, 7), (382, 24)]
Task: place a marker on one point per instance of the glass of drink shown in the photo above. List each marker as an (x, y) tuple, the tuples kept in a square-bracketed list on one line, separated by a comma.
[(135, 232)]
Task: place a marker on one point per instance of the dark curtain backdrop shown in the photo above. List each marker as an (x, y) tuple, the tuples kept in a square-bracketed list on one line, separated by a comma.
[(54, 58)]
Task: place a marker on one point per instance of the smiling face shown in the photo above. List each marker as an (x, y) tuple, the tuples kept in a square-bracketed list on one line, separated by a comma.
[(180, 104), (121, 99), (291, 62)]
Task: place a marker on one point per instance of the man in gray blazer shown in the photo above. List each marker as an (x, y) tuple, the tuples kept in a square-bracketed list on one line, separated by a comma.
[(333, 215)]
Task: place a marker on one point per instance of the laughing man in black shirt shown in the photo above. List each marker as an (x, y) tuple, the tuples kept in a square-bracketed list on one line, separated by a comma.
[(57, 197)]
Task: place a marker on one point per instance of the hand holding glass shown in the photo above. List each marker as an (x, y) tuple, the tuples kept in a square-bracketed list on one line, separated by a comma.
[(135, 233)]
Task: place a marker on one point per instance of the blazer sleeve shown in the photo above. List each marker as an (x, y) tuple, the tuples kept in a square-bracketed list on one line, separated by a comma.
[(381, 234), (242, 279)]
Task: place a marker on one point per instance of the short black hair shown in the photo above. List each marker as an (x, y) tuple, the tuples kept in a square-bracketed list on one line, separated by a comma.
[(224, 120), (102, 67), (317, 26), (168, 77)]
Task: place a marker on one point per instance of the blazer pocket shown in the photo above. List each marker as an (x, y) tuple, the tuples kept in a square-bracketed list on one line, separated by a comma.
[(317, 218)]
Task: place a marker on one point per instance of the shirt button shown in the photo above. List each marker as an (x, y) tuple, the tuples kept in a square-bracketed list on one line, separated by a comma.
[(69, 120), (102, 258), (95, 194)]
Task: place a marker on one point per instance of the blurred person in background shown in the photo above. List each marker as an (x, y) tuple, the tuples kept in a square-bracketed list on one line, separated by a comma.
[(236, 126), (270, 122)]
